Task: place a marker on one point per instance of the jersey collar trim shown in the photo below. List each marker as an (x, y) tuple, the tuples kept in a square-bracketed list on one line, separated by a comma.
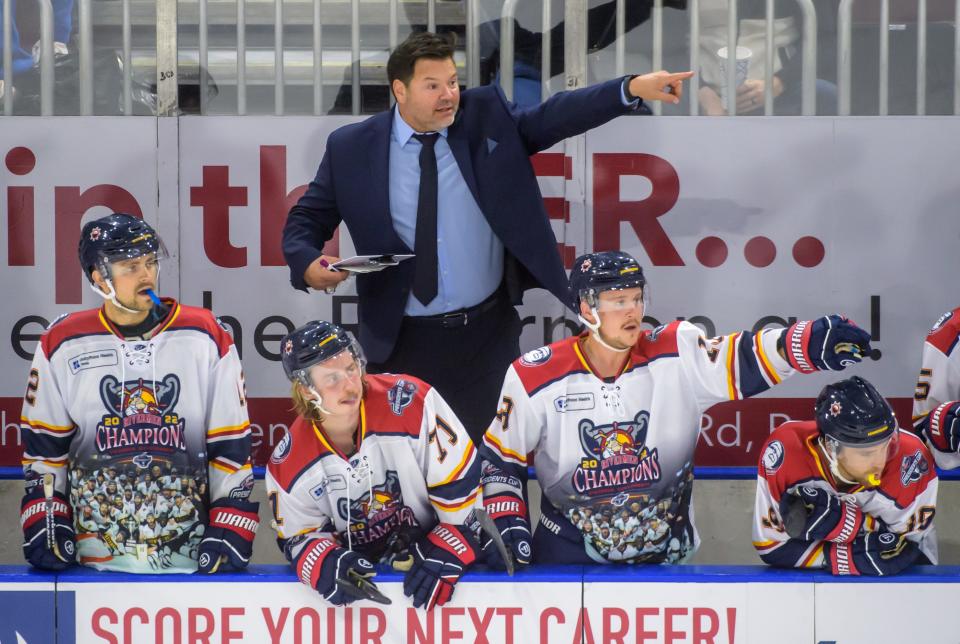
[(322, 436), (172, 314), (585, 361)]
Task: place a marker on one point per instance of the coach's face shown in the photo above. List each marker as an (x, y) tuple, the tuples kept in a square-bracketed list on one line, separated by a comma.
[(429, 101)]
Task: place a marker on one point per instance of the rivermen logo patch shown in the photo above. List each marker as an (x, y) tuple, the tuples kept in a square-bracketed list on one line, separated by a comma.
[(140, 416), (617, 457)]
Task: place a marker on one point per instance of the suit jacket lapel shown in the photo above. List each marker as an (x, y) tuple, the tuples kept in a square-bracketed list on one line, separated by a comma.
[(460, 146), (378, 150)]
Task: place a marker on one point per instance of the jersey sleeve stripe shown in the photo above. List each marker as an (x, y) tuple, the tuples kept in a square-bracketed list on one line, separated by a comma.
[(752, 379), (814, 558), (227, 466), (492, 441), (29, 459), (230, 431), (46, 427), (764, 361), (468, 457), (453, 507), (732, 392)]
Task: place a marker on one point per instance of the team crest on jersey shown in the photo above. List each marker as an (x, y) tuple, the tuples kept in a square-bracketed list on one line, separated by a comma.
[(140, 416), (617, 457), (773, 457), (377, 513), (943, 320), (912, 468), (536, 357), (401, 395), (282, 450)]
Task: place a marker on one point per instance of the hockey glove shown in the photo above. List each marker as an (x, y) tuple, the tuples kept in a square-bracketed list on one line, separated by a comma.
[(509, 514), (49, 541), (439, 559), (830, 343), (228, 539), (875, 554), (332, 571), (942, 427), (828, 517)]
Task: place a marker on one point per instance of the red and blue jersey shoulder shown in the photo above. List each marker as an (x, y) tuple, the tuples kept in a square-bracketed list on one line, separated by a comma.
[(296, 453), (393, 404), (544, 366), (945, 333), (71, 327), (657, 343), (194, 318), (789, 457), (908, 471)]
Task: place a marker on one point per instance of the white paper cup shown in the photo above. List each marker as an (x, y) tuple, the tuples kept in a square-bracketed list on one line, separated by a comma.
[(743, 67)]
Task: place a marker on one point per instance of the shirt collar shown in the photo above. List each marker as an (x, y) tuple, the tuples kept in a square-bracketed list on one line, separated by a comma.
[(402, 130)]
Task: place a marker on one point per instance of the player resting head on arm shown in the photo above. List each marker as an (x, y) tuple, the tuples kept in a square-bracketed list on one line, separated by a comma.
[(848, 491)]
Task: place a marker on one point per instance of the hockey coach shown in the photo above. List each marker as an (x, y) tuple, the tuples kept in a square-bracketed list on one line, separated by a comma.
[(446, 175)]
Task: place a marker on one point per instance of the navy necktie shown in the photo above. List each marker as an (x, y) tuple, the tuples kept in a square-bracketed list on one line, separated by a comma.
[(425, 243)]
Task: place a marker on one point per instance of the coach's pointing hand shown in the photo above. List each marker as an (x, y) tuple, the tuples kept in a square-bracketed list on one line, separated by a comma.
[(659, 86)]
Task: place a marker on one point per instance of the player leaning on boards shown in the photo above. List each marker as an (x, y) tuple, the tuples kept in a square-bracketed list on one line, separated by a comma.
[(936, 401), (137, 441), (374, 468), (612, 417), (849, 491)]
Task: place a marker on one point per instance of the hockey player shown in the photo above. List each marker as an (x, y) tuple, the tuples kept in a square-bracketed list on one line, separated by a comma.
[(936, 401), (140, 382), (848, 491), (375, 466), (645, 391)]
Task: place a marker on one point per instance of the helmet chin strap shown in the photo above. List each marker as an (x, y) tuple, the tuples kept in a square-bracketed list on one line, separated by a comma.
[(111, 296), (317, 402), (595, 330)]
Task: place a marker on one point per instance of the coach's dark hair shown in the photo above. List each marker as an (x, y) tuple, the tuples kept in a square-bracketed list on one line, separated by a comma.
[(419, 45)]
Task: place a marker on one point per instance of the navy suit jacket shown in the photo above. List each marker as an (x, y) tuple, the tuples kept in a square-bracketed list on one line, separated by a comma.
[(492, 141)]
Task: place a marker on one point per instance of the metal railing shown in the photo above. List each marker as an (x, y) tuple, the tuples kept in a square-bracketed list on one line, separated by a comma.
[(845, 55), (360, 59)]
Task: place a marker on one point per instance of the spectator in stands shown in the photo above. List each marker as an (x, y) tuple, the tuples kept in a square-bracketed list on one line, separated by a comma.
[(477, 223), (751, 33), (22, 61)]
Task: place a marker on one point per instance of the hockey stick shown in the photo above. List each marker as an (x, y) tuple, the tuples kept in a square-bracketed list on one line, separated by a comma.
[(356, 585), (488, 526), (48, 506)]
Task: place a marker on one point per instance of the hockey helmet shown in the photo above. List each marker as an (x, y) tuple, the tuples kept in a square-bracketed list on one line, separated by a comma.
[(853, 413), (313, 343), (594, 273), (115, 238)]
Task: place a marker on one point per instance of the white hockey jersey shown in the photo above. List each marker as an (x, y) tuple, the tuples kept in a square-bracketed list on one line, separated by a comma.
[(905, 501), (939, 380), (622, 448), (101, 407), (414, 466)]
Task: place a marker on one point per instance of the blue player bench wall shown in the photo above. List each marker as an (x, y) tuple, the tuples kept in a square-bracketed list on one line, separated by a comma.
[(671, 604)]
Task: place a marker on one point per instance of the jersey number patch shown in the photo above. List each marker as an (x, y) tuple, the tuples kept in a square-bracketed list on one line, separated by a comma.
[(442, 426), (33, 383)]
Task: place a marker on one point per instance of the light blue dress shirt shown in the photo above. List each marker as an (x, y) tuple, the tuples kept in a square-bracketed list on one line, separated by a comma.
[(469, 254)]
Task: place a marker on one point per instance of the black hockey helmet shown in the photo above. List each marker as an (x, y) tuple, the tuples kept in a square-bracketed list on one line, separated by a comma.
[(852, 412), (594, 273), (313, 343), (114, 238)]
